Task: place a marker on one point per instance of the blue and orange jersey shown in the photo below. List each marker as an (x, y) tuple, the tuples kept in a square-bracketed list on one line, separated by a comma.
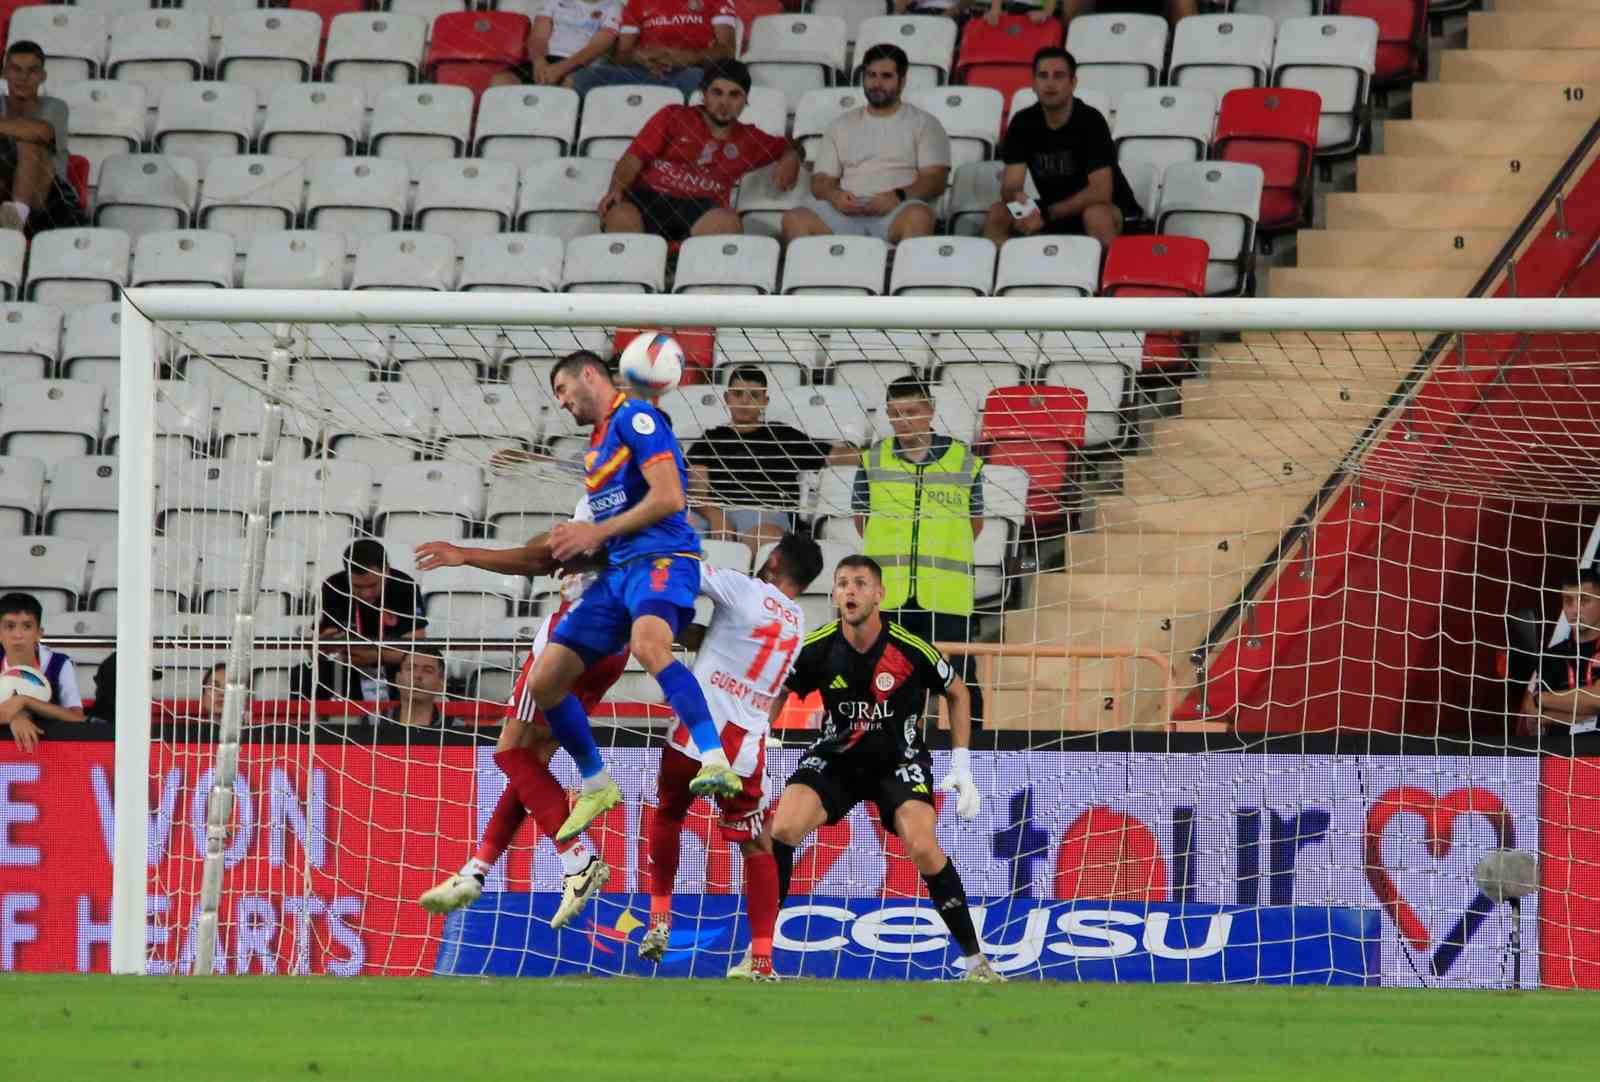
[(629, 438)]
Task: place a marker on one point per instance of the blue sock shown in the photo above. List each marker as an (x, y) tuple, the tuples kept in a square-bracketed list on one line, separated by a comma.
[(570, 726), (689, 703)]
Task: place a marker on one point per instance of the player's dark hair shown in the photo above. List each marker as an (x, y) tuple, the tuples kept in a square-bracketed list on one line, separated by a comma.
[(26, 604), (858, 560), (211, 679), (577, 362), (885, 51), (748, 373), (366, 556), (1587, 578), (427, 649), (25, 48), (799, 559), (1055, 52), (732, 70), (907, 387)]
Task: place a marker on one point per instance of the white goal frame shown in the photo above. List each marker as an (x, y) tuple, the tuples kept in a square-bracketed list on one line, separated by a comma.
[(143, 309)]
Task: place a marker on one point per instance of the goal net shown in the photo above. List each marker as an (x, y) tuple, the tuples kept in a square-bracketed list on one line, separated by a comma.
[(1248, 605)]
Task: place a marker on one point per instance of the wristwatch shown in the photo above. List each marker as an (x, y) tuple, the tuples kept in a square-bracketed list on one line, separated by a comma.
[(901, 192)]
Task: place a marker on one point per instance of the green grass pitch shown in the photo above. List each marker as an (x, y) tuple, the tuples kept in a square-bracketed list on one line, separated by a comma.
[(79, 1029)]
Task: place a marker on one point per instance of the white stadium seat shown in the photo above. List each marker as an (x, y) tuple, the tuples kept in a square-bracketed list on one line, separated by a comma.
[(558, 198), (73, 40), (525, 124), (295, 259), (761, 205), (50, 419), (974, 188), (830, 414), (1219, 202), (787, 357), (821, 107), (867, 372), (853, 12), (357, 197), (374, 51), (104, 118), (418, 261), (91, 344), (1102, 366), (285, 579), (241, 415), (147, 193), (465, 199), (158, 48), (512, 263), (184, 258), (251, 194), (613, 115), (205, 120), (340, 489), (83, 498), (835, 518), (1279, 10), (313, 120), (1335, 56), (419, 501), (53, 569), (442, 361), (727, 264), (797, 53), (841, 265), (929, 42), (381, 424), (264, 48), (429, 9), (30, 339), (1118, 52), (615, 263), (943, 266), (78, 266), (694, 410), (216, 11), (520, 507), (482, 419), (457, 597), (1224, 52), (182, 420), (970, 116), (421, 123), (1048, 266), (1164, 125), (13, 256), (21, 493)]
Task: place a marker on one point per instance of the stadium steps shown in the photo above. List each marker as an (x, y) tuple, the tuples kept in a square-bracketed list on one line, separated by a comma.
[(1335, 248), (1284, 399), (1567, 66), (1534, 24), (1363, 282), (1503, 101), (1413, 211), (1404, 173), (1266, 356), (1483, 138)]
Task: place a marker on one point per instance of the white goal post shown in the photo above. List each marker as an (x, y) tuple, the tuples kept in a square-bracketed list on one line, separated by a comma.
[(145, 311)]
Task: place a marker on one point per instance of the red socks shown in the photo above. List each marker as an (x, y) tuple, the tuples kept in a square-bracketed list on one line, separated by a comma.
[(537, 789), (761, 896), (503, 823), (666, 845)]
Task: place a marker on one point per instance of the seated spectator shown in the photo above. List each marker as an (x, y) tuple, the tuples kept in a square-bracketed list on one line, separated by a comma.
[(665, 43), (1039, 12), (33, 148), (371, 601), (21, 626), (744, 476), (879, 167), (213, 689), (419, 688), (1065, 145), (566, 36), (1566, 688), (677, 176)]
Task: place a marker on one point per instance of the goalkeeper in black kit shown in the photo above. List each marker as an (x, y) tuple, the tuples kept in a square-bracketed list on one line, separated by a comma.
[(875, 677)]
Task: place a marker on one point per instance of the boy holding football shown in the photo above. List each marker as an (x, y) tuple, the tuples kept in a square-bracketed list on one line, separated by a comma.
[(21, 626)]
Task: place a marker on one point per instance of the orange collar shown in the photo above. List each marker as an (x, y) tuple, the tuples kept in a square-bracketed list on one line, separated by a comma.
[(599, 431)]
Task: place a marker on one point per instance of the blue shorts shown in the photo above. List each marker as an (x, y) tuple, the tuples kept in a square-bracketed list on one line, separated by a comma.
[(601, 621)]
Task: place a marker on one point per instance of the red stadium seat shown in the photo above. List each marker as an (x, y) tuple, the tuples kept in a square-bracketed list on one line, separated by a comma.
[(329, 8), (699, 349), (1038, 430), (1157, 266), (1002, 56), (469, 48), (78, 177), (7, 7), (1402, 37), (1276, 129)]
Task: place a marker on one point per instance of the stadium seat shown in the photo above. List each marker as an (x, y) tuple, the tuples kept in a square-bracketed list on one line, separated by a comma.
[(173, 568), (1155, 266), (30, 340), (613, 115), (1118, 52), (421, 123), (525, 124), (830, 414), (285, 581), (727, 264), (73, 40), (381, 424), (615, 263), (1275, 129), (465, 199), (313, 488), (1104, 371), (203, 121), (974, 188), (356, 196), (512, 263), (970, 116), (557, 197), (1217, 202), (147, 193), (1001, 56), (865, 370), (202, 504), (91, 345), (1163, 125), (215, 11), (520, 507), (250, 194), (182, 421), (1402, 55), (83, 498), (1278, 10), (1224, 52), (943, 266), (929, 42), (694, 410), (817, 109), (761, 205), (429, 9), (1334, 57), (53, 569), (78, 266), (853, 12), (295, 259), (266, 48), (797, 53), (956, 408), (313, 120), (443, 361), (13, 254), (241, 416), (374, 51), (1048, 266), (787, 357), (416, 261), (104, 118), (1038, 430), (21, 494), (470, 48), (158, 48), (839, 265), (834, 517), (456, 597), (483, 419), (419, 501), (328, 10), (764, 108)]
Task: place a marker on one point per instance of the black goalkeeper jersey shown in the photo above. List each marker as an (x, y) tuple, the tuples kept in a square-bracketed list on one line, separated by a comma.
[(874, 699)]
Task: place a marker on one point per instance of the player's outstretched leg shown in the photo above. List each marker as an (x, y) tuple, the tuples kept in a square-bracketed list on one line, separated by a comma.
[(799, 812), (761, 901), (666, 845), (914, 823), (651, 643), (557, 669)]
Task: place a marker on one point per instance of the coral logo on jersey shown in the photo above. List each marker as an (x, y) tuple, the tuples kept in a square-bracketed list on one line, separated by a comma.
[(658, 573), (644, 424)]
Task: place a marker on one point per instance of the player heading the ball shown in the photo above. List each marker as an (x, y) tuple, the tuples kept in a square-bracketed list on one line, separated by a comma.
[(636, 480)]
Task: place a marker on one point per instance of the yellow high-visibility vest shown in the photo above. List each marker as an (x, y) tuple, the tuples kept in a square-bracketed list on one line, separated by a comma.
[(919, 526)]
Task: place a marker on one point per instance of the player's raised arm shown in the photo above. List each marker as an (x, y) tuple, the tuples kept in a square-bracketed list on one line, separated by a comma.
[(532, 559)]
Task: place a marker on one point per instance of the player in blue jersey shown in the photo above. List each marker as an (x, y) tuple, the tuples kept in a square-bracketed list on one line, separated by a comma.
[(636, 481)]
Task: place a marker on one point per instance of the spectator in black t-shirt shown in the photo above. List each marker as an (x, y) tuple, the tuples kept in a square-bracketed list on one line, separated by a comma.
[(1566, 688), (1065, 145), (744, 477), (372, 601)]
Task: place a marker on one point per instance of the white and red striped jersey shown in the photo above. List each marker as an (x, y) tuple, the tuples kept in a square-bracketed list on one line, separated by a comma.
[(746, 655)]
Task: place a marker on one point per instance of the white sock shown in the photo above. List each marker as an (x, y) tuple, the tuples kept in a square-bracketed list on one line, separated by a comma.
[(474, 867), (716, 757), (598, 782), (576, 859), (21, 209), (974, 960)]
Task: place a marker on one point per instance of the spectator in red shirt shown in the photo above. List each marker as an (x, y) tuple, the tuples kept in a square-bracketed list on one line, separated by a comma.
[(665, 43), (676, 177)]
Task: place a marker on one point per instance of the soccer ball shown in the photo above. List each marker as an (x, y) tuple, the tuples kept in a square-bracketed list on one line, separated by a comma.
[(652, 363), (24, 680)]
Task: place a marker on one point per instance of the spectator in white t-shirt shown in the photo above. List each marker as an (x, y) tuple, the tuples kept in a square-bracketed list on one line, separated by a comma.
[(566, 35), (878, 168), (21, 625)]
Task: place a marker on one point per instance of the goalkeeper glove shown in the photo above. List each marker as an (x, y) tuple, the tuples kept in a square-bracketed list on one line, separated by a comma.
[(959, 781)]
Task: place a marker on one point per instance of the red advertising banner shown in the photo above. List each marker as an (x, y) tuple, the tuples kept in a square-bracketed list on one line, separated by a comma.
[(1569, 872)]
